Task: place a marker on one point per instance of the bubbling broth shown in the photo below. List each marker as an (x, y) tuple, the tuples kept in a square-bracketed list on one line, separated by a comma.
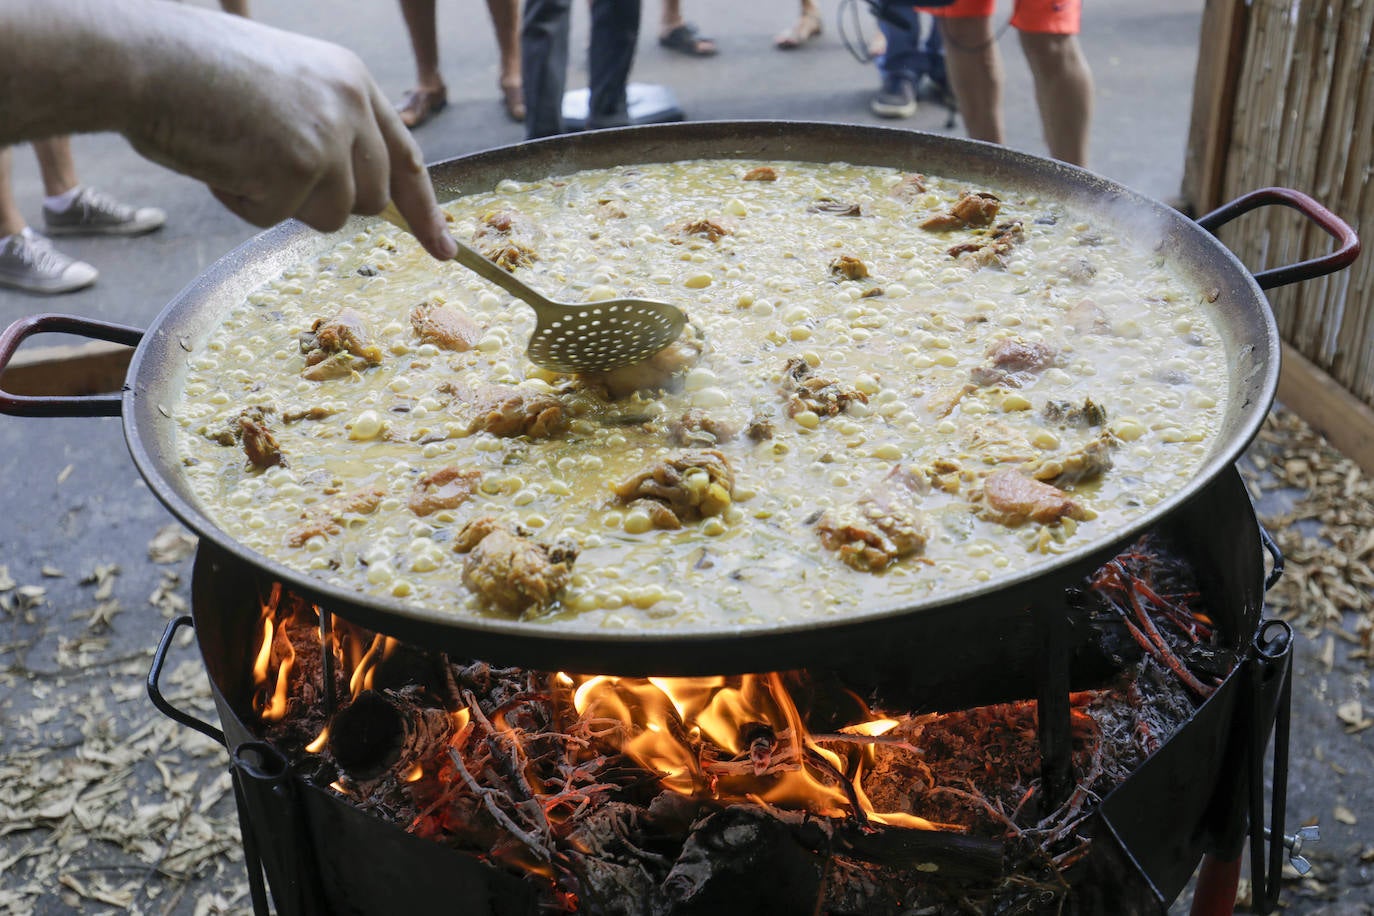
[(892, 386)]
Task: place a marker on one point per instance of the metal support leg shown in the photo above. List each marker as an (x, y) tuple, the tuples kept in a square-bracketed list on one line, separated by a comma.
[(1052, 701)]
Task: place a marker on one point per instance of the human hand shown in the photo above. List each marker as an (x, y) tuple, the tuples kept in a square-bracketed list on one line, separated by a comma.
[(281, 125)]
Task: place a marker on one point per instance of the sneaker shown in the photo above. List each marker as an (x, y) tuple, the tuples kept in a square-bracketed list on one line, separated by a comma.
[(897, 98), (93, 213), (29, 262)]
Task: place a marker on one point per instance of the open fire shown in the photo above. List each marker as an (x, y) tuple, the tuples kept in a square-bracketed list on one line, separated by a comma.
[(772, 792)]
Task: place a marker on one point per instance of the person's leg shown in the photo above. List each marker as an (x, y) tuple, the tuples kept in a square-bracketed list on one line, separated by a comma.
[(237, 7), (544, 64), (70, 208), (677, 34), (11, 220), (505, 20), (1063, 91), (807, 27), (898, 65), (975, 73), (430, 95), (56, 164), (615, 31)]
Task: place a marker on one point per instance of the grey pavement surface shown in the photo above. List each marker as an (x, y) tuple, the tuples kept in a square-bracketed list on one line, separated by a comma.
[(75, 503)]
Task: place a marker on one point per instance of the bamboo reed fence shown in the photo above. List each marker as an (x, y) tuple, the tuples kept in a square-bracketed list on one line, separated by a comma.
[(1300, 115)]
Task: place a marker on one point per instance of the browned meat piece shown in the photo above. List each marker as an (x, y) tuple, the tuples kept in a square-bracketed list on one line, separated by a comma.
[(835, 207), (328, 517), (1089, 462), (1013, 498), (1086, 317), (996, 442), (258, 442), (698, 428), (1011, 361), (507, 238), (1064, 413), (824, 397), (973, 210), (655, 373), (338, 365), (307, 413), (909, 188), (444, 326), (504, 410), (847, 267), (509, 571), (660, 515), (885, 524), (760, 428), (761, 173), (713, 230), (694, 484), (344, 335), (446, 488), (991, 251), (610, 209)]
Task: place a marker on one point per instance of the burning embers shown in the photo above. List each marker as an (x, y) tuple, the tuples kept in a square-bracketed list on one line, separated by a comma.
[(781, 792)]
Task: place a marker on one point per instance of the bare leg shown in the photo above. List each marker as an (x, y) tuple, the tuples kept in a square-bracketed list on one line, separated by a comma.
[(11, 220), (237, 7), (55, 162), (424, 41), (505, 20), (975, 74), (670, 16), (806, 28), (1063, 91)]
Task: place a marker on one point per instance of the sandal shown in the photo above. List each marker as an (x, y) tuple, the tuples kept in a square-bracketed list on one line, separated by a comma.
[(419, 105), (513, 97), (807, 28), (688, 40)]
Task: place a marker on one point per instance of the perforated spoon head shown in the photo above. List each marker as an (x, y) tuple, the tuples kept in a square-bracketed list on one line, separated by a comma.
[(573, 337), (600, 336)]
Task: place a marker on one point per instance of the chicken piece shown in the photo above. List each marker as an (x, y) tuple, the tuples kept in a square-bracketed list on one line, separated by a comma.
[(345, 333), (847, 267), (1012, 498), (1064, 413), (1086, 463), (883, 526), (973, 210), (760, 428), (655, 373), (696, 483), (307, 413), (505, 410), (713, 230), (660, 516), (446, 488), (991, 251), (258, 442), (336, 365), (1012, 361), (444, 326), (510, 572), (942, 403), (909, 188), (761, 173), (1086, 317), (698, 428), (996, 442), (329, 517), (610, 209), (507, 238), (835, 207), (824, 397)]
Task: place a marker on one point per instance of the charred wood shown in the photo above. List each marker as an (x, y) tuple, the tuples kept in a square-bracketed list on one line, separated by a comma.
[(387, 731)]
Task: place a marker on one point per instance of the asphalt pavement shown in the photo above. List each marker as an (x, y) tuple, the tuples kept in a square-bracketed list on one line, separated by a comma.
[(74, 503)]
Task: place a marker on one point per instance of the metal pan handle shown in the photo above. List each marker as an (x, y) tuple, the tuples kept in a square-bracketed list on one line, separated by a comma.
[(1332, 224), (155, 688), (96, 405)]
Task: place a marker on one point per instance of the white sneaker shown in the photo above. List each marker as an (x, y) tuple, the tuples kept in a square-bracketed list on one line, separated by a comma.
[(29, 262), (94, 213)]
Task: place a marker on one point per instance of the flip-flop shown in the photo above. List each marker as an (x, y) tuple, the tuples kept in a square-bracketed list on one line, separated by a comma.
[(688, 40), (419, 105), (805, 29)]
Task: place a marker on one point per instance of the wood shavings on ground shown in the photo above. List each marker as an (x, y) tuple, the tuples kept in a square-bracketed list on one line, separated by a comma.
[(1324, 526), (172, 544)]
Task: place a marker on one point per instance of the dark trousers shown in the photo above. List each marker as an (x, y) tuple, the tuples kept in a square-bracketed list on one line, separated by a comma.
[(544, 62), (906, 56)]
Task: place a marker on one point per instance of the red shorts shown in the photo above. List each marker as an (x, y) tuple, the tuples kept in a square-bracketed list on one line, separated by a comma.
[(1050, 17)]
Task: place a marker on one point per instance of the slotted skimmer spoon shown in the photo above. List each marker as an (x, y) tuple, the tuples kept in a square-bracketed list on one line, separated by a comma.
[(577, 337)]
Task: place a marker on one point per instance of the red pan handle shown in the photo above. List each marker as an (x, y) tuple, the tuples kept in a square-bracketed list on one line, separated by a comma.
[(1332, 224), (96, 405)]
